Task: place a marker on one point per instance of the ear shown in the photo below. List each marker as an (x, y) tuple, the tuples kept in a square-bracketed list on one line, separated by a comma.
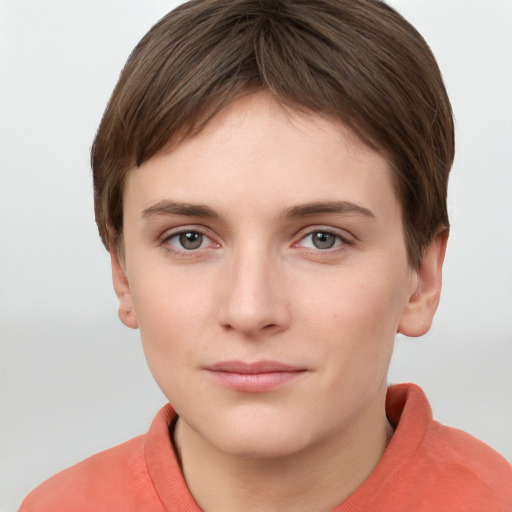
[(419, 312), (122, 288)]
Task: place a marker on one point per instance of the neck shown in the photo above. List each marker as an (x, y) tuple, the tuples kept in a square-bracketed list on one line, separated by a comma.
[(316, 479)]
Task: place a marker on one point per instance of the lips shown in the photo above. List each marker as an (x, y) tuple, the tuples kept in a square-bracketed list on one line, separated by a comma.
[(258, 377)]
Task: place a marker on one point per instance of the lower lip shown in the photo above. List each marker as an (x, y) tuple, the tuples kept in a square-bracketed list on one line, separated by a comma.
[(255, 382)]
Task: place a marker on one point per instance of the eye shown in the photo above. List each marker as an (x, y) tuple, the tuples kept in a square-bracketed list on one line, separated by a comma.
[(188, 240), (322, 240)]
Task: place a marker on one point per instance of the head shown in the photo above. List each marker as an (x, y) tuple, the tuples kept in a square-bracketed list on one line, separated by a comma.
[(358, 62), (270, 179)]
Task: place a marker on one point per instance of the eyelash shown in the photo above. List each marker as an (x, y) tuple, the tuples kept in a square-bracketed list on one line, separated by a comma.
[(166, 239), (340, 241)]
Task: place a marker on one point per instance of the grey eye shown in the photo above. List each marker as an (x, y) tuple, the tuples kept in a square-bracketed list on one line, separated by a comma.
[(323, 240), (191, 240)]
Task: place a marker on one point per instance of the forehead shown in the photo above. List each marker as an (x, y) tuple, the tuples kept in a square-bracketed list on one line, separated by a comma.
[(256, 154)]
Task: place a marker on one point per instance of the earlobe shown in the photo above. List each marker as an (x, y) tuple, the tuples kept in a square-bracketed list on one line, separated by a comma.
[(122, 288), (419, 312)]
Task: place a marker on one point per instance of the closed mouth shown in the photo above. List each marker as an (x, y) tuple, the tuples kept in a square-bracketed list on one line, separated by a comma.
[(256, 377)]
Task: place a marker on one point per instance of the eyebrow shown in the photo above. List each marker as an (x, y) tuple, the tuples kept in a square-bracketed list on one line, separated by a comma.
[(166, 207), (326, 207), (176, 208)]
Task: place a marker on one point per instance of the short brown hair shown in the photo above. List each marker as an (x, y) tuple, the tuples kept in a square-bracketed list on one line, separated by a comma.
[(357, 61)]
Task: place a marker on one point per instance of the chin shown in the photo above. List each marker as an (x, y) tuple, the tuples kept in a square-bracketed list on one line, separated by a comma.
[(259, 440), (262, 448)]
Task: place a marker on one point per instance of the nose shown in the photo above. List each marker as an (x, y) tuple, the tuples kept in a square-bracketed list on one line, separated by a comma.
[(254, 299)]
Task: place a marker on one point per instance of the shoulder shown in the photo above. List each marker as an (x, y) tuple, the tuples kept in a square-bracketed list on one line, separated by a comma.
[(464, 462), (114, 477), (448, 468), (120, 478)]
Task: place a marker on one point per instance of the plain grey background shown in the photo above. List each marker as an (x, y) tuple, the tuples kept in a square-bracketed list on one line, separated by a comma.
[(73, 379)]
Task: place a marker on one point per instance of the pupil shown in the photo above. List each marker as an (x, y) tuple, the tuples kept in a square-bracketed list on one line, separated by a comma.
[(191, 240), (323, 240)]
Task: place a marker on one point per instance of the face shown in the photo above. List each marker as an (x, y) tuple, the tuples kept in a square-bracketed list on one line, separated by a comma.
[(266, 269)]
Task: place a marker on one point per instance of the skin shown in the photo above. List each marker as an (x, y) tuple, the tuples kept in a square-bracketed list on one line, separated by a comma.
[(259, 287)]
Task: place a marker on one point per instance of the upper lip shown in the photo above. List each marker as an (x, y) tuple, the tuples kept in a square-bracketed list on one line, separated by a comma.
[(252, 368)]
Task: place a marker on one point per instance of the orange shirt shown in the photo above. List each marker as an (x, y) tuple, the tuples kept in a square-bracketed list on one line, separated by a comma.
[(426, 467)]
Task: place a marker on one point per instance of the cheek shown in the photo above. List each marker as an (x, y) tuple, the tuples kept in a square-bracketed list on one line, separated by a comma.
[(171, 299), (355, 319), (171, 334), (172, 313), (357, 306)]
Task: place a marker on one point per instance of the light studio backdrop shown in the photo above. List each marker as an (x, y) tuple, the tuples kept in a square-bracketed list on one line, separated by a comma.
[(73, 379)]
